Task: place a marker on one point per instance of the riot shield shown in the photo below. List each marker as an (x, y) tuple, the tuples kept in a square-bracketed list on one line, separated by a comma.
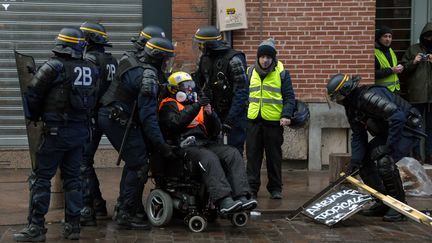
[(26, 67)]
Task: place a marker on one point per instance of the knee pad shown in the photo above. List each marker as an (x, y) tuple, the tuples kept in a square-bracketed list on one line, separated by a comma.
[(386, 165)]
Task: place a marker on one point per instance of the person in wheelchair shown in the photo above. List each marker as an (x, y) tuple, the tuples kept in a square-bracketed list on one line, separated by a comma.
[(183, 114)]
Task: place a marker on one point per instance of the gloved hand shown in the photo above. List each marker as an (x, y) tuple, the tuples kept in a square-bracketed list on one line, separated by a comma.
[(353, 168), (167, 151), (226, 128), (379, 152), (203, 100)]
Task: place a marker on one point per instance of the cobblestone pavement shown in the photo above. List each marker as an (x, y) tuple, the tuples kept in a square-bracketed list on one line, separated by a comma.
[(270, 226)]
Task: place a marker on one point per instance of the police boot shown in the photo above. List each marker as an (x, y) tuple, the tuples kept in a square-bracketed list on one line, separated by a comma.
[(379, 209), (124, 219), (100, 209), (393, 216), (88, 217), (71, 229), (31, 233)]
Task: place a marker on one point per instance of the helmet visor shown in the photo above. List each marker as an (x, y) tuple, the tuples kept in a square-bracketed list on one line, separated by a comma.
[(197, 50), (167, 65), (337, 97)]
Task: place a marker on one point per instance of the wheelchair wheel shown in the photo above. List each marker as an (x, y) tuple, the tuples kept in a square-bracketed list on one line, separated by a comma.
[(239, 219), (197, 224), (159, 207)]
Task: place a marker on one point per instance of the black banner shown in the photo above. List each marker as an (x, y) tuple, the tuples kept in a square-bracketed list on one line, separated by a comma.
[(336, 206)]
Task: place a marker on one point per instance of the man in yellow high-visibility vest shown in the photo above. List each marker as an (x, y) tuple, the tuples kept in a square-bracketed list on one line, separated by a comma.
[(386, 66), (271, 107)]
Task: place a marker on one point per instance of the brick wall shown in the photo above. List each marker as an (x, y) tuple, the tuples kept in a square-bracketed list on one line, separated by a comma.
[(315, 39), (188, 16)]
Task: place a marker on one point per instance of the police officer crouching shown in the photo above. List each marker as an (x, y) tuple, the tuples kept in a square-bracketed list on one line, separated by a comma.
[(62, 93), (136, 82), (395, 126)]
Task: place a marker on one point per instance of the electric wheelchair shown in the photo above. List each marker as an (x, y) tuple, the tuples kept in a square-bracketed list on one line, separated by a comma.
[(179, 191)]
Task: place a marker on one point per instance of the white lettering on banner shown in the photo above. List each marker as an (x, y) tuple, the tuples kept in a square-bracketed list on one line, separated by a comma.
[(331, 199), (350, 204)]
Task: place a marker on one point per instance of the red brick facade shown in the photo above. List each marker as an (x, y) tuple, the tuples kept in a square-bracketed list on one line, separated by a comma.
[(315, 38)]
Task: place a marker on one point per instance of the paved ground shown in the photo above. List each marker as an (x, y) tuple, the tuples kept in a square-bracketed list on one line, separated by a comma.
[(270, 226)]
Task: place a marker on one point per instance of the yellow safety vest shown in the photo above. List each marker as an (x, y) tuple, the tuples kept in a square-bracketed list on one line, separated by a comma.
[(266, 95), (391, 81)]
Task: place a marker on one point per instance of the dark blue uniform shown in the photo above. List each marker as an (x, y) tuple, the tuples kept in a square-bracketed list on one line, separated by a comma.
[(62, 93), (393, 123), (92, 195), (222, 75), (135, 81)]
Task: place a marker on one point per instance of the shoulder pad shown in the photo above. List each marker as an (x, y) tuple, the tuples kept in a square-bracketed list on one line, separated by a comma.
[(92, 57), (55, 64)]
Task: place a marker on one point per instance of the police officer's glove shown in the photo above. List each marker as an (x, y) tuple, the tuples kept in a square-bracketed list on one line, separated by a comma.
[(226, 128), (353, 168), (203, 100), (380, 151), (167, 151)]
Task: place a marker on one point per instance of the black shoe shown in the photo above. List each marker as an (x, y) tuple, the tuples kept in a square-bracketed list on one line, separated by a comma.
[(393, 216), (100, 209), (71, 230), (31, 233), (123, 219), (379, 209), (248, 204), (88, 217), (275, 195), (228, 205)]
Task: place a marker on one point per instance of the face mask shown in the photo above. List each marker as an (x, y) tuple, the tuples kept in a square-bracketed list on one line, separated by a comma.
[(189, 98)]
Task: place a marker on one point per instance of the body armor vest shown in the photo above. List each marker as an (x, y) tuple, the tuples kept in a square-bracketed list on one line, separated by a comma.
[(214, 69), (116, 91), (76, 93), (108, 67)]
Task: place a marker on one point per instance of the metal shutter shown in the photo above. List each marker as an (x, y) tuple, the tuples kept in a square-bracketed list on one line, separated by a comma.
[(31, 27)]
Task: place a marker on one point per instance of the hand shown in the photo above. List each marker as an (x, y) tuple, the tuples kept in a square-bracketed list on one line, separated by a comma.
[(203, 100), (353, 168), (380, 151), (226, 128), (167, 151), (208, 109), (398, 69), (284, 121)]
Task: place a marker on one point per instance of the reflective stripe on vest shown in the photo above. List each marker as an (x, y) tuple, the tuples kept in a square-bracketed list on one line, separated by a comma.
[(391, 81), (198, 120), (265, 96)]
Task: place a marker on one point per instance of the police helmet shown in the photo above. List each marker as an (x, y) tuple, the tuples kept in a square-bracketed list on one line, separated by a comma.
[(208, 37), (95, 33), (340, 85), (301, 115), (148, 32), (159, 48), (180, 81), (70, 41)]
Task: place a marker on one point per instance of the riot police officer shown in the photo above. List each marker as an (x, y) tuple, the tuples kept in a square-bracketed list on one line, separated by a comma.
[(139, 43), (221, 75), (393, 123), (136, 85), (62, 94), (97, 40)]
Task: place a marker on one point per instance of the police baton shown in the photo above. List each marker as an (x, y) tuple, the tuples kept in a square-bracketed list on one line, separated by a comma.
[(126, 133)]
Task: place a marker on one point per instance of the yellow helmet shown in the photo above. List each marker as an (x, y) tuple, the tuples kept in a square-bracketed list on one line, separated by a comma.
[(178, 81)]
